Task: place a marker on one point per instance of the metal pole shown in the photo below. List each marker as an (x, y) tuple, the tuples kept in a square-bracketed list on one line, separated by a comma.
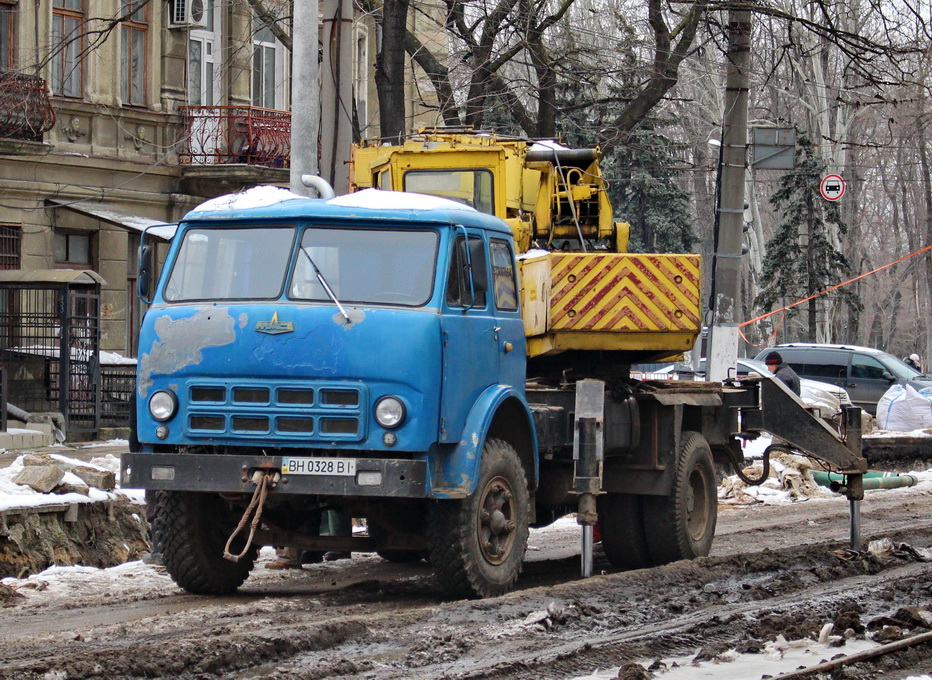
[(855, 525), (726, 276), (336, 93), (305, 95), (586, 550)]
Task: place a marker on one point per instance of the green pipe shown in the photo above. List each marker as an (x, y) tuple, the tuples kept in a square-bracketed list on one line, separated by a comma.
[(872, 480)]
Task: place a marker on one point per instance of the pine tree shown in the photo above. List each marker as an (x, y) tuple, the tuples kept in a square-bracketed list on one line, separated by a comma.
[(800, 258)]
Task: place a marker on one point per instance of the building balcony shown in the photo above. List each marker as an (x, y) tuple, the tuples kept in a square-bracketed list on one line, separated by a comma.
[(225, 148), (235, 134), (25, 111)]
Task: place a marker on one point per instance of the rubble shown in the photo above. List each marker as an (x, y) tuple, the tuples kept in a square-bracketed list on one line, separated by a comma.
[(46, 473)]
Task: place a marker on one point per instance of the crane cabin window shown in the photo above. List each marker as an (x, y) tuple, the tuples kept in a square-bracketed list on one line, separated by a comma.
[(470, 187)]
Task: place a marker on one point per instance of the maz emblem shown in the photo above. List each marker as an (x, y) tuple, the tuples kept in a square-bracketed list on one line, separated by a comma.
[(274, 327)]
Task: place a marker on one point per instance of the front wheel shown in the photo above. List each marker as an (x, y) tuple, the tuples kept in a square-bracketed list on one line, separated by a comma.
[(477, 544), (194, 528), (681, 526)]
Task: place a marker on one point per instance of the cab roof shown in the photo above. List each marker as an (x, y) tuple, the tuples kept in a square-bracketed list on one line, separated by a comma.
[(275, 203)]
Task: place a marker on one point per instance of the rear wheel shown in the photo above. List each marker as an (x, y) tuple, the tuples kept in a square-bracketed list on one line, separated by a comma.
[(681, 526), (194, 529), (621, 521), (477, 544)]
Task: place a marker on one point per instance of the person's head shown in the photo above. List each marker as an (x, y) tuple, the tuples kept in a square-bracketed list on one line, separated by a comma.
[(914, 358), (773, 361)]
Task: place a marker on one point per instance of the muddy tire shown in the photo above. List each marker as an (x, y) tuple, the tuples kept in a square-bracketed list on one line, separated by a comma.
[(195, 528), (477, 544), (681, 526), (621, 521)]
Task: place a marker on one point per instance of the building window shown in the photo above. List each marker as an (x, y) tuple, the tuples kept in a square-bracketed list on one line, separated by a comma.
[(11, 239), (67, 47), (7, 14), (73, 248), (134, 33), (263, 67), (269, 77)]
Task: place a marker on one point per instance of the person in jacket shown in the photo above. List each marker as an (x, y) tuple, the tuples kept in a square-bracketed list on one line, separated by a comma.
[(914, 361), (783, 371)]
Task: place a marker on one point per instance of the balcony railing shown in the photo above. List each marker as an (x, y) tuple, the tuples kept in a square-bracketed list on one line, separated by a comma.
[(25, 111), (235, 134)]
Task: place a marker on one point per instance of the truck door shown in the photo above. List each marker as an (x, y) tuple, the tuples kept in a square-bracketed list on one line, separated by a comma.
[(511, 338), (470, 339)]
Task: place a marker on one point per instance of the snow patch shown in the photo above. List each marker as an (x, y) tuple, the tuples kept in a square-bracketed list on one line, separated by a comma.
[(256, 197), (379, 199)]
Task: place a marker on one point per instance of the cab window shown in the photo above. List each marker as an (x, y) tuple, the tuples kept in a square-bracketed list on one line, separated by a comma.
[(459, 291), (503, 276), (470, 187)]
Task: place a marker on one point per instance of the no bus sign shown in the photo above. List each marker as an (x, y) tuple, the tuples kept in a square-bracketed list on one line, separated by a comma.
[(832, 187)]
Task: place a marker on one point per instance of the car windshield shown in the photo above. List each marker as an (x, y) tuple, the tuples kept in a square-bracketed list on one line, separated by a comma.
[(246, 263), (373, 266)]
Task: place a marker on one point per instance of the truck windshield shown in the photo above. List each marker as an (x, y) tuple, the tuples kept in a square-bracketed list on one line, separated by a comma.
[(372, 266), (223, 264), (472, 187)]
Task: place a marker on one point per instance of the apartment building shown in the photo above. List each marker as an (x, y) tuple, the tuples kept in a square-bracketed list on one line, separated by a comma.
[(117, 117)]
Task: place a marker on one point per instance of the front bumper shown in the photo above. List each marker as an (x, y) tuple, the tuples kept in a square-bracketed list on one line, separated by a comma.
[(232, 474)]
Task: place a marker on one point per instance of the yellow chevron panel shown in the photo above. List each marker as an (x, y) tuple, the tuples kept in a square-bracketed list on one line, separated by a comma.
[(627, 292), (616, 302)]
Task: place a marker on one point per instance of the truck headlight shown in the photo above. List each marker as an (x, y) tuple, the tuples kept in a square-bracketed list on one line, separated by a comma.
[(389, 412), (163, 405)]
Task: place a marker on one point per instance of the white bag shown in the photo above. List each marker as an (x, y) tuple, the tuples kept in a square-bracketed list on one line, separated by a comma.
[(903, 408)]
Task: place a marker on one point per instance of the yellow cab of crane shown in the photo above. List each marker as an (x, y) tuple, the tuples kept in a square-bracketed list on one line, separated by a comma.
[(580, 289)]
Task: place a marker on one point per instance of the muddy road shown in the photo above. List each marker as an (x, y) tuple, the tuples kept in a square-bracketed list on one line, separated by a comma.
[(777, 576)]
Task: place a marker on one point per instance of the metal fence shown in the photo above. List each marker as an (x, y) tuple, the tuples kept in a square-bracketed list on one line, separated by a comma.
[(49, 346), (235, 134), (116, 390)]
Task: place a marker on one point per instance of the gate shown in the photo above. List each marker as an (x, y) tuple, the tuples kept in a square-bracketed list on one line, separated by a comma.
[(49, 344)]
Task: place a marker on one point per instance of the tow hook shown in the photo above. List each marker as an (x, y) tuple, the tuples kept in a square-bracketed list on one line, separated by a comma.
[(263, 479)]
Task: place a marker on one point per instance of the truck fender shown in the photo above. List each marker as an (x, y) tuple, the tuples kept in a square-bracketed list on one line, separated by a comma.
[(502, 411)]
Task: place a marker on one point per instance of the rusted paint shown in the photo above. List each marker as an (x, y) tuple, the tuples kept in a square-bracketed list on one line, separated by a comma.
[(243, 319), (181, 341)]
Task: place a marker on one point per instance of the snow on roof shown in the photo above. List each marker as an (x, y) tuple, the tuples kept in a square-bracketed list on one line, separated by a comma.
[(379, 199), (256, 197)]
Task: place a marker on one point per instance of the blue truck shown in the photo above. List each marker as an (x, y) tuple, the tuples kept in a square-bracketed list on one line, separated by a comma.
[(367, 354)]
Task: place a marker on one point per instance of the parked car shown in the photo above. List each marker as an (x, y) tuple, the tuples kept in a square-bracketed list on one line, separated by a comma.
[(830, 399), (865, 373)]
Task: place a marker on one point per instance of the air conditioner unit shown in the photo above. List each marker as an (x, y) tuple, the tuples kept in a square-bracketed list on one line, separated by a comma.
[(188, 13)]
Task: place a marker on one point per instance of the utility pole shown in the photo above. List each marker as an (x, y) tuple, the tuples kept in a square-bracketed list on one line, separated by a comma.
[(336, 93), (305, 94), (728, 257)]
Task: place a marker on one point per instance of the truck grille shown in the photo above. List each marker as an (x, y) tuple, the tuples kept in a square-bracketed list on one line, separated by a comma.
[(309, 411)]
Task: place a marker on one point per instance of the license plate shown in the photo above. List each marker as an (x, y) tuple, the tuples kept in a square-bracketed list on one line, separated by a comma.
[(319, 466)]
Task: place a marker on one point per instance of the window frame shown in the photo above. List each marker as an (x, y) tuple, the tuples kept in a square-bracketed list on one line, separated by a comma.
[(66, 69), (8, 17), (11, 235), (137, 23), (68, 262)]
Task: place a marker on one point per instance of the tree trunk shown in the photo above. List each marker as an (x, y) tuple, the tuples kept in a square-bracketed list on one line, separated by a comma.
[(390, 70)]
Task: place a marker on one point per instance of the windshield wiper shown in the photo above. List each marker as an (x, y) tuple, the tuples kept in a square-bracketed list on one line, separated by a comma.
[(323, 282)]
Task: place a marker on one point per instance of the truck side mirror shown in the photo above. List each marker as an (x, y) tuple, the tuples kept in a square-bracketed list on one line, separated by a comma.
[(480, 269), (144, 282)]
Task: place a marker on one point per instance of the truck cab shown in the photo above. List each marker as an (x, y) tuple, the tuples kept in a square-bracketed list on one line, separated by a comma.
[(355, 350)]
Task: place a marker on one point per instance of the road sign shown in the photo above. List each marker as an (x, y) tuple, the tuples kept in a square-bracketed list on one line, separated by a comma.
[(832, 187)]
